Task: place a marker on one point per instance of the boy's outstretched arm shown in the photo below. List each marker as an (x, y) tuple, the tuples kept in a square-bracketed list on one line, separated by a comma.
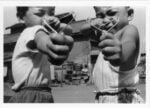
[(121, 49), (130, 47)]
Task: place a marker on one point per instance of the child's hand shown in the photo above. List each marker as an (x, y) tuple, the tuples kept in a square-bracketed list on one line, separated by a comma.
[(56, 46), (66, 29), (110, 47)]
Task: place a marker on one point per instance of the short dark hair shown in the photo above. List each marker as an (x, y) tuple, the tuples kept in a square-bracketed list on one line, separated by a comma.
[(129, 10), (21, 11)]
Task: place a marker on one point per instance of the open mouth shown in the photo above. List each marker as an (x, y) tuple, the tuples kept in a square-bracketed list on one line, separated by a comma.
[(108, 25), (99, 26)]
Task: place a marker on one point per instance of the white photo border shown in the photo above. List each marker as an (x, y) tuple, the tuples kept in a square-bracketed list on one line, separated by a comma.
[(145, 3)]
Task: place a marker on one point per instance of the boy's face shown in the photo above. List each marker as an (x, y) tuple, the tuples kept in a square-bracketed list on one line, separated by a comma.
[(34, 15), (109, 14)]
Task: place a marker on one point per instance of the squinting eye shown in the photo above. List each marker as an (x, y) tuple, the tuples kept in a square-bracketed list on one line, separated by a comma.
[(41, 13), (100, 15), (51, 13), (111, 13)]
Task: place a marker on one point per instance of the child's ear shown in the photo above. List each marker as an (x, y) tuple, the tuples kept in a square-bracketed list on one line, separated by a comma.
[(130, 14)]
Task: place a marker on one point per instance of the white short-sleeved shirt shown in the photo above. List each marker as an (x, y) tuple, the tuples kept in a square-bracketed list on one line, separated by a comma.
[(109, 78), (30, 68)]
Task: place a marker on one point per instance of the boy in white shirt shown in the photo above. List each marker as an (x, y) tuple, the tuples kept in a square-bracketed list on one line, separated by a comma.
[(35, 50), (115, 74)]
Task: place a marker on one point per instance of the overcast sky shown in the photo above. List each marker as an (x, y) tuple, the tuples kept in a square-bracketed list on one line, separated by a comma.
[(83, 13)]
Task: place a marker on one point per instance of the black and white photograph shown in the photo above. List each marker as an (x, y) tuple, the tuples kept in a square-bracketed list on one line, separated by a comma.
[(74, 54)]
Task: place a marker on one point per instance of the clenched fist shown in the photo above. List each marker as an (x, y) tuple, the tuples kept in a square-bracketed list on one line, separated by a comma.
[(111, 47), (55, 45)]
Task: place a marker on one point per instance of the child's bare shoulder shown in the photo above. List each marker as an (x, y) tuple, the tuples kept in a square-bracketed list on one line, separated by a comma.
[(130, 32), (131, 28)]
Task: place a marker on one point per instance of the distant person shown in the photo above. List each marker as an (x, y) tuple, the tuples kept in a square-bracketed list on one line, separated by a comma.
[(115, 74), (35, 50)]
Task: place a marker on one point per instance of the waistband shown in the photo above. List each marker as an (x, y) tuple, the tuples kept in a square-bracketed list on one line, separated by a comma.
[(125, 91), (45, 89)]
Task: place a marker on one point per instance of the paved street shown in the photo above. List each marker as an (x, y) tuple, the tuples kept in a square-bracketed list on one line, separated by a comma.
[(71, 93), (80, 94), (74, 94)]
